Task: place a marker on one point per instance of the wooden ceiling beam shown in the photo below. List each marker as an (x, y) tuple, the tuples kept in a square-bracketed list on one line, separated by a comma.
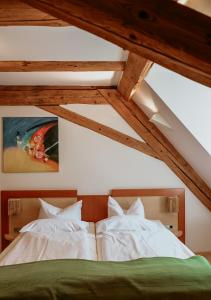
[(49, 95), (54, 66), (53, 87), (16, 13), (167, 36), (99, 128), (133, 115), (136, 69)]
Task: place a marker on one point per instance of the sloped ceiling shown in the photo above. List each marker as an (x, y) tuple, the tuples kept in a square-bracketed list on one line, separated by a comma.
[(190, 102), (179, 136), (178, 101), (68, 43)]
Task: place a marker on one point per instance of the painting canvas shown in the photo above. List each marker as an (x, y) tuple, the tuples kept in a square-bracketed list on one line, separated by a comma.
[(30, 144)]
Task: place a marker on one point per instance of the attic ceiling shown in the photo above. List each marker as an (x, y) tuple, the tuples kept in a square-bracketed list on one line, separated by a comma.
[(72, 44), (190, 101)]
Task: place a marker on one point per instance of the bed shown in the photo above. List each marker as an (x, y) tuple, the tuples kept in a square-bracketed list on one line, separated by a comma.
[(45, 237), (175, 274)]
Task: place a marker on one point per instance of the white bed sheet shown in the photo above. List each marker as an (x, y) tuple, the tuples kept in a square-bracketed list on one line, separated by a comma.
[(125, 244), (31, 246)]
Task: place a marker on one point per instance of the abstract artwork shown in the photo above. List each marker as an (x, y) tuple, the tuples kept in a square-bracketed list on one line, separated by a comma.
[(30, 144)]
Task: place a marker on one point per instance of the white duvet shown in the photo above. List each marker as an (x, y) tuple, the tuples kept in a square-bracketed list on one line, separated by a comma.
[(119, 238), (123, 238), (54, 243)]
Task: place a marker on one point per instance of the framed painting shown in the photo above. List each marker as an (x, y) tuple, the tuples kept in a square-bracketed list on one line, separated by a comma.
[(30, 144)]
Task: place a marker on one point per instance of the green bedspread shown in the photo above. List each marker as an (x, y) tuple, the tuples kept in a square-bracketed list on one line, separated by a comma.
[(144, 279)]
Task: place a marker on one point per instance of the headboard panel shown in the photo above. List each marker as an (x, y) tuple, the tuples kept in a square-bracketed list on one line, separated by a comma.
[(155, 203), (30, 206), (95, 206)]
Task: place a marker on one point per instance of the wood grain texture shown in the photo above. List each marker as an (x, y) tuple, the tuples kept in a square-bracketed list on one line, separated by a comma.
[(49, 95), (133, 115), (99, 128), (136, 69), (52, 87), (16, 13), (180, 193), (55, 66), (94, 207), (172, 153), (6, 195), (167, 36)]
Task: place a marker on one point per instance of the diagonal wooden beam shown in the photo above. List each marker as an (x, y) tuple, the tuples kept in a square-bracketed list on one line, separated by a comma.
[(167, 36), (99, 128), (136, 69), (16, 13), (54, 66), (132, 114), (49, 95)]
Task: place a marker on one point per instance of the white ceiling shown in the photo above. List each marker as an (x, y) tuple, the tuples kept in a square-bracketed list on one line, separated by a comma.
[(67, 43), (189, 101), (60, 78), (55, 43), (178, 134)]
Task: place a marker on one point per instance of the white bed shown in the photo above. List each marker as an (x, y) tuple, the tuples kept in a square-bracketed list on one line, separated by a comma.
[(127, 235), (124, 235), (45, 245), (121, 239)]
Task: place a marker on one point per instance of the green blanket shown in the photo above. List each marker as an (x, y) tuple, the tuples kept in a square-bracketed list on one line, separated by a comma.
[(144, 279)]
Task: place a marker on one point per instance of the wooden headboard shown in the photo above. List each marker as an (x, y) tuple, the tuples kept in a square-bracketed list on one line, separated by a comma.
[(95, 206), (28, 194), (149, 196)]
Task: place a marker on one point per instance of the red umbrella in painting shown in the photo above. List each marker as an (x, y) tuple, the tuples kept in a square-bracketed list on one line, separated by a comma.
[(38, 147)]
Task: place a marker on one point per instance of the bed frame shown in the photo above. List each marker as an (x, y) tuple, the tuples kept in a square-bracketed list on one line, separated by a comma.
[(94, 206)]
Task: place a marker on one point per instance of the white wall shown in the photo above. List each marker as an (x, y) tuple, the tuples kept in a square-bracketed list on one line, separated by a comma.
[(94, 164)]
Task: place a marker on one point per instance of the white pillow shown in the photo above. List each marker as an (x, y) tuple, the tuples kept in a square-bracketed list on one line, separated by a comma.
[(50, 211), (114, 209), (54, 225)]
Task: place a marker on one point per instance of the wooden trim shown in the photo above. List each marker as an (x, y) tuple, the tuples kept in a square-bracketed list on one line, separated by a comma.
[(5, 195), (52, 87), (133, 115), (167, 192), (16, 13), (172, 153), (99, 128), (32, 95), (136, 69), (94, 207), (51, 22), (54, 66), (167, 36), (180, 193)]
